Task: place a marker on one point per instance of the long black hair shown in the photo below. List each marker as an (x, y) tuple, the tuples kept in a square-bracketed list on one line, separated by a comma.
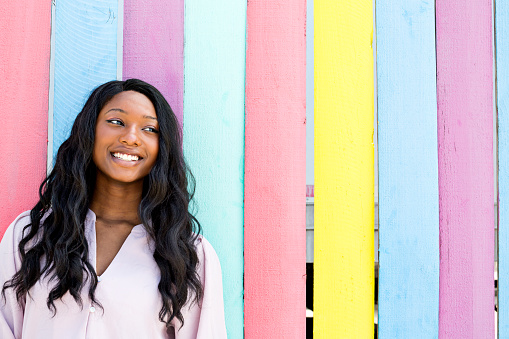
[(58, 218)]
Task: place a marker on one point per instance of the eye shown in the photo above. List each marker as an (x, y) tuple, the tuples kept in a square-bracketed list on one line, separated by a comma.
[(115, 122), (151, 129)]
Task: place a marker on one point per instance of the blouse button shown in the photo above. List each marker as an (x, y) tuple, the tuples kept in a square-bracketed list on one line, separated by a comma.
[(99, 279), (92, 309)]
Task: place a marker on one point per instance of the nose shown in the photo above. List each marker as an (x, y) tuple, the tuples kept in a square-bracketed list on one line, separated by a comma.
[(130, 137)]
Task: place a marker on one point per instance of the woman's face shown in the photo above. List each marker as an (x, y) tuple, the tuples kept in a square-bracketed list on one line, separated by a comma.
[(126, 138)]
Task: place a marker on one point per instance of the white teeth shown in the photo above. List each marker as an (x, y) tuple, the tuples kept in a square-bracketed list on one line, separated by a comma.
[(126, 157)]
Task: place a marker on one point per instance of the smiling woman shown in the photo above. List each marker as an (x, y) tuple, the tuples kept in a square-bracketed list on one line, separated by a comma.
[(111, 250), (127, 142)]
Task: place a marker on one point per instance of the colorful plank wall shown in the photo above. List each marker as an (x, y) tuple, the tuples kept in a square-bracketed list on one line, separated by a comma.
[(435, 170), (407, 170), (344, 166), (94, 42), (242, 105)]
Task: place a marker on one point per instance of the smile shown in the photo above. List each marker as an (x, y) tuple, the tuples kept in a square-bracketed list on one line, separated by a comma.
[(125, 157)]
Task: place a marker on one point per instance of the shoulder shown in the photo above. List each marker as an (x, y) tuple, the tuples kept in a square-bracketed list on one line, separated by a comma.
[(207, 256), (9, 254), (14, 232), (206, 320), (21, 220), (204, 247)]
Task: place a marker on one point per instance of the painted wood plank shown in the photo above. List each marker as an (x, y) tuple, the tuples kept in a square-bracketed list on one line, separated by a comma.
[(85, 57), (24, 70), (465, 167), (502, 64), (154, 47), (310, 97), (408, 170), (344, 178), (214, 75), (275, 208)]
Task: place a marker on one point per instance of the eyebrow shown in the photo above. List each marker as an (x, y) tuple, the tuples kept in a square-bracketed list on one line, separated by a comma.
[(122, 111)]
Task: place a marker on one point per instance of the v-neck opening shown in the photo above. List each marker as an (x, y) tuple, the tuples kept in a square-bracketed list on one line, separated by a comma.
[(94, 238), (112, 260)]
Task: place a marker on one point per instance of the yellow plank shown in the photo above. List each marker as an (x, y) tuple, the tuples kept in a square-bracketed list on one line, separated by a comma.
[(344, 169)]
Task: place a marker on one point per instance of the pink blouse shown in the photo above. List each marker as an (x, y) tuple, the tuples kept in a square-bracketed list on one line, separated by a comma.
[(127, 290)]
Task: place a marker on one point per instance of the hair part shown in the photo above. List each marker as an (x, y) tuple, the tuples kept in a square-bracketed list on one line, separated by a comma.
[(57, 234)]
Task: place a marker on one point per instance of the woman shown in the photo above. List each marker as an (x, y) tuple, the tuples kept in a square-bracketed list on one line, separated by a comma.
[(110, 250)]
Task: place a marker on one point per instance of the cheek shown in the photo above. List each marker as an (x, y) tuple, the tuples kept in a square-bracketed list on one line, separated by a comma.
[(154, 151), (98, 149), (95, 155), (152, 146), (156, 148)]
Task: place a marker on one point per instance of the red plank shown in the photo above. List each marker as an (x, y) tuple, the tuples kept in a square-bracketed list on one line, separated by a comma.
[(24, 70), (275, 167)]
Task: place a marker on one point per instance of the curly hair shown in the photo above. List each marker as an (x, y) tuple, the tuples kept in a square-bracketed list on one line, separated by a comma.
[(58, 218)]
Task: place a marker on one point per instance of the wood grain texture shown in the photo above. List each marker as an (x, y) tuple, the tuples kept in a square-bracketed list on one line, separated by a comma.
[(465, 160), (344, 166), (275, 209), (154, 47), (502, 57), (24, 70), (85, 57), (214, 75), (408, 170)]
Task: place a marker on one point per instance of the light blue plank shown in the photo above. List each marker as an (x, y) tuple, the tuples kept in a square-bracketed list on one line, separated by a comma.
[(214, 76), (502, 64), (85, 57), (408, 169)]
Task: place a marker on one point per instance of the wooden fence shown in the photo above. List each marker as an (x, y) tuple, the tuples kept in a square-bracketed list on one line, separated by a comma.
[(235, 73)]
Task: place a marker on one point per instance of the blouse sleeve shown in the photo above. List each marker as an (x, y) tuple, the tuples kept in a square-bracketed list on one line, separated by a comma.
[(205, 320), (11, 313)]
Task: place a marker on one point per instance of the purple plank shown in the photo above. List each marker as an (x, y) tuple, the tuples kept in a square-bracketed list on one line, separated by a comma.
[(154, 47), (465, 167)]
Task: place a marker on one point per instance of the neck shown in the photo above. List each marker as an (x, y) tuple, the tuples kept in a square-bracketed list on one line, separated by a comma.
[(116, 202)]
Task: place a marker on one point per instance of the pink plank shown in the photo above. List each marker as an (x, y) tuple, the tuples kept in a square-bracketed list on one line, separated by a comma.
[(274, 237), (465, 159), (24, 70), (154, 47)]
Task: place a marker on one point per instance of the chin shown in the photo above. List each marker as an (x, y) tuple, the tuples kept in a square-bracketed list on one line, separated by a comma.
[(127, 180)]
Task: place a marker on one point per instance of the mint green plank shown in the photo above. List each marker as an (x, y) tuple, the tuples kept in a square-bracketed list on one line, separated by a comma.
[(214, 75)]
